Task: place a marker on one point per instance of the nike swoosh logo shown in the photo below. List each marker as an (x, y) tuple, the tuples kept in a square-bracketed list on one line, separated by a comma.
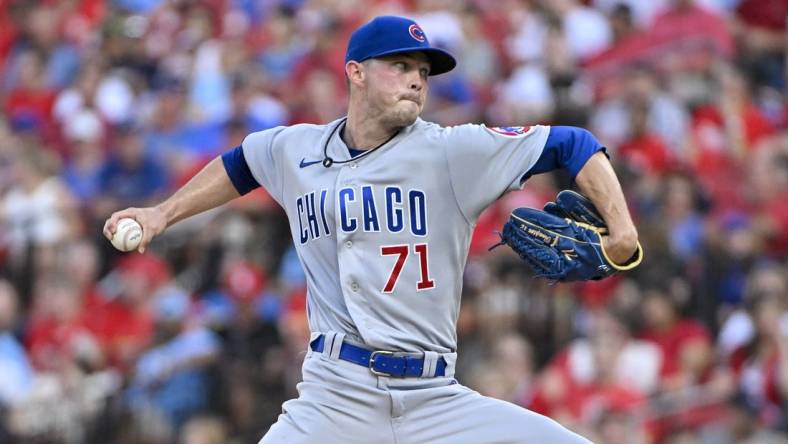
[(304, 163)]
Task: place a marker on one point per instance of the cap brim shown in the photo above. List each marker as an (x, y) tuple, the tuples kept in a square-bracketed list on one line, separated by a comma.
[(440, 61)]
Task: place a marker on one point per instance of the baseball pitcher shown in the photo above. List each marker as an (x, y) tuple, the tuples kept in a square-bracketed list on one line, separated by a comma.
[(381, 206)]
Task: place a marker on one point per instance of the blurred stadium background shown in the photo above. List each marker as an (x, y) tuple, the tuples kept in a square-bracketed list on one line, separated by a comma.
[(108, 104)]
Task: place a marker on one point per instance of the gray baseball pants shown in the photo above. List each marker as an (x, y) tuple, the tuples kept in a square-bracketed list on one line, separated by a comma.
[(345, 403)]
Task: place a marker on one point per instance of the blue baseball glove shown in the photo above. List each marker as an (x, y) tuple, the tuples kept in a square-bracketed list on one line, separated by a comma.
[(564, 242)]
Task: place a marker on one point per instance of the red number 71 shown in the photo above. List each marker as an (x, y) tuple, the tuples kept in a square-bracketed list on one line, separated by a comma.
[(402, 253)]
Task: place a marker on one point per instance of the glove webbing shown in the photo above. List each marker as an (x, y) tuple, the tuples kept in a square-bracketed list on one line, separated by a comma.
[(540, 259)]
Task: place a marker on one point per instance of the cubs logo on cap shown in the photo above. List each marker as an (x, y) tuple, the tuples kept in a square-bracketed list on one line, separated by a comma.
[(510, 131), (416, 32), (388, 35)]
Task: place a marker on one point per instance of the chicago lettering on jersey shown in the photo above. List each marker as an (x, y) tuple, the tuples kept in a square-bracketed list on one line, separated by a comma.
[(394, 210), (312, 206)]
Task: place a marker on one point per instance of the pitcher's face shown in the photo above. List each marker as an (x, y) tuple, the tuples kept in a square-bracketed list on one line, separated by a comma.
[(396, 87)]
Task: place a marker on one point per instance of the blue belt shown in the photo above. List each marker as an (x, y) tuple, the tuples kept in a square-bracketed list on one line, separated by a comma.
[(382, 363)]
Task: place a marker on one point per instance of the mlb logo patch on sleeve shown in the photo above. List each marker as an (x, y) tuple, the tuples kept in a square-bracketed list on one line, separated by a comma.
[(510, 131)]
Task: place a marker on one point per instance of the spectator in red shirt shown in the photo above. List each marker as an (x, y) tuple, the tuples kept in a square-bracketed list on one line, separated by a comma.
[(8, 28), (645, 151), (31, 100), (725, 134), (761, 366), (761, 26), (769, 184), (327, 52), (124, 322), (57, 336), (685, 342), (687, 22), (609, 370)]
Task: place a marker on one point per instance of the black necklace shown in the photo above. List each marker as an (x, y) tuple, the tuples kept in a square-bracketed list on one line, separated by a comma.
[(328, 161)]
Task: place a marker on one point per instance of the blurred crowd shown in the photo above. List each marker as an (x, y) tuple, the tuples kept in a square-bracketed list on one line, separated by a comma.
[(109, 104)]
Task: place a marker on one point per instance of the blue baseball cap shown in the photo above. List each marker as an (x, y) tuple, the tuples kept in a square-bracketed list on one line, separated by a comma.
[(388, 34)]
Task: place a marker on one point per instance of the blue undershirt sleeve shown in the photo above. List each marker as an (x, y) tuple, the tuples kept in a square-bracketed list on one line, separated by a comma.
[(238, 170), (567, 147)]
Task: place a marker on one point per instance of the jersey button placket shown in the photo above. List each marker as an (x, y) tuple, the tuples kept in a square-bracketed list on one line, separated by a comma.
[(345, 255)]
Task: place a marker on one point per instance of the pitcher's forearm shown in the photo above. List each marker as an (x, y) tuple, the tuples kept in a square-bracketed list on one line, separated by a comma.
[(599, 183), (208, 189)]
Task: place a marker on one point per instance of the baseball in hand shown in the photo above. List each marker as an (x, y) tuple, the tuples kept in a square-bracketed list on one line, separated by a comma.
[(127, 235)]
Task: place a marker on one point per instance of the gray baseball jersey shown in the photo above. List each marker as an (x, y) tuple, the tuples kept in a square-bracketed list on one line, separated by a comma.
[(384, 237)]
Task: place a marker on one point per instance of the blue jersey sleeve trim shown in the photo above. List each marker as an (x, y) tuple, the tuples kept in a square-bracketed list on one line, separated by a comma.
[(567, 147), (238, 170)]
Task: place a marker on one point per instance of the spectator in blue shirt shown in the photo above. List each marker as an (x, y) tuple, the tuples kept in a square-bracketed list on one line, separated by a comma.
[(130, 176), (174, 377), (17, 374)]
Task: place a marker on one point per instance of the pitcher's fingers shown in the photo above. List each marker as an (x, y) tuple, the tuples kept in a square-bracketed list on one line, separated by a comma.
[(111, 224), (147, 237), (107, 232)]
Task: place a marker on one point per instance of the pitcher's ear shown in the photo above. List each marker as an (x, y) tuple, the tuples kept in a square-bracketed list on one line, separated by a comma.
[(354, 71)]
